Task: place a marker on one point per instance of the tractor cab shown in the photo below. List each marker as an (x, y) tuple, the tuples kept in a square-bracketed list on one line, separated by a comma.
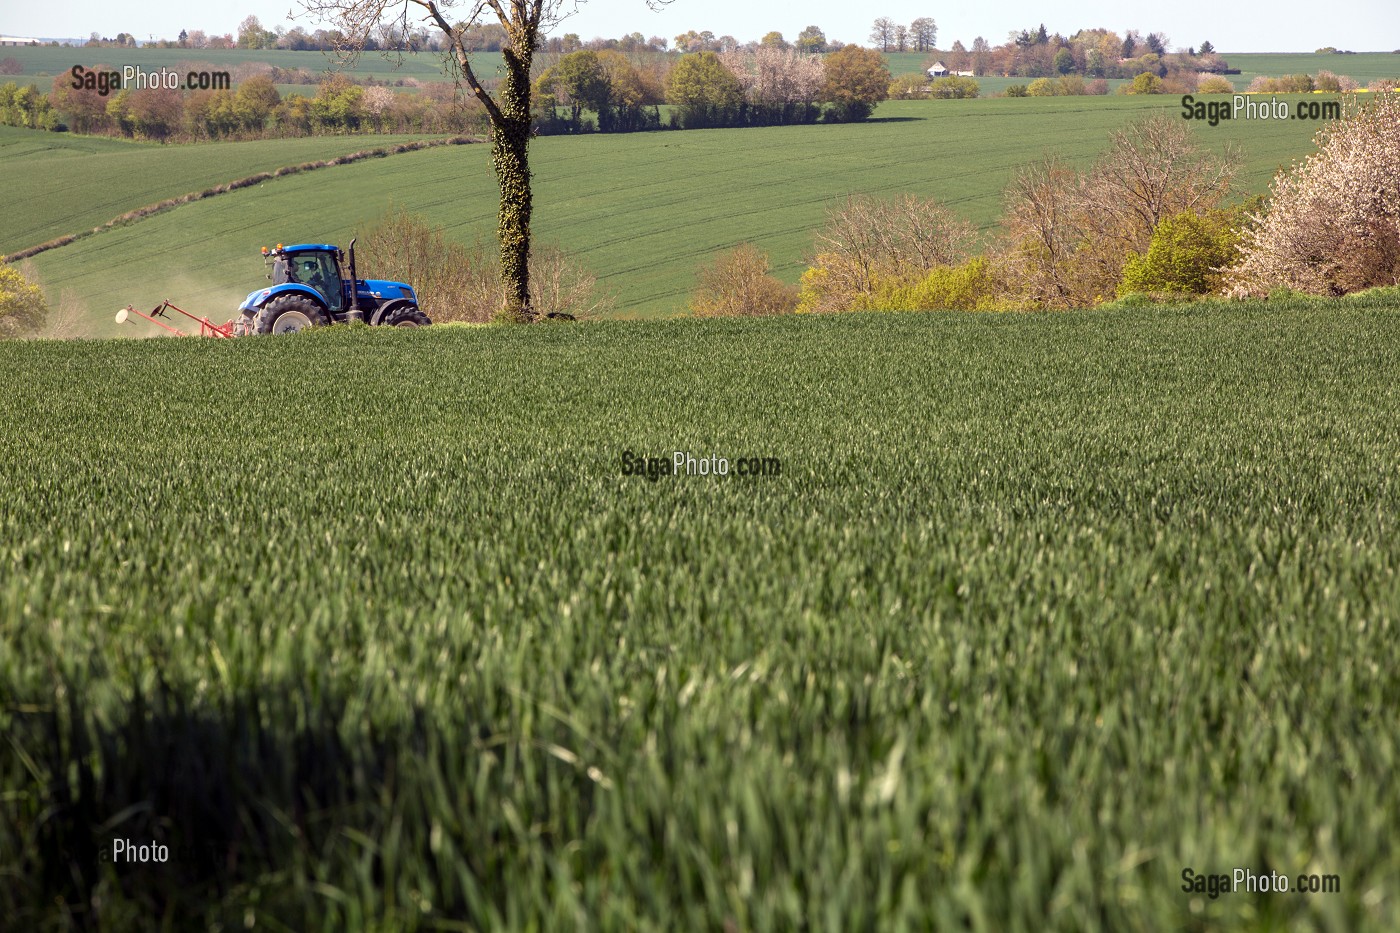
[(317, 266), (315, 284)]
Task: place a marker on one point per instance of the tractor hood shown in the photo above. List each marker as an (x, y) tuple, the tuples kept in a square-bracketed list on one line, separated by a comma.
[(385, 290)]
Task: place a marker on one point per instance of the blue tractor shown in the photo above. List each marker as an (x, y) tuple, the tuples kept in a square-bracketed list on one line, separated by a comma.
[(314, 284)]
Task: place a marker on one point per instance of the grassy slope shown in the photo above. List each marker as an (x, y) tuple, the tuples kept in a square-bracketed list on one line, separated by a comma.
[(642, 211), (1043, 609), (1364, 67), (58, 184)]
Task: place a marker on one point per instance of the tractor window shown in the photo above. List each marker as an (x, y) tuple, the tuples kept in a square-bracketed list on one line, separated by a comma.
[(319, 270)]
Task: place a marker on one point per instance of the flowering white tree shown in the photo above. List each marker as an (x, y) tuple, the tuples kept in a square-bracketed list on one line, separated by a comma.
[(1332, 223), (777, 81)]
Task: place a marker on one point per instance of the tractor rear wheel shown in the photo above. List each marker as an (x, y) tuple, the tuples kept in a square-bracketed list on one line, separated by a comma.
[(287, 314), (407, 317)]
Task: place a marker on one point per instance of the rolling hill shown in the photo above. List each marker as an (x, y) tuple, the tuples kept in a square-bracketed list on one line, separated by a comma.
[(641, 211)]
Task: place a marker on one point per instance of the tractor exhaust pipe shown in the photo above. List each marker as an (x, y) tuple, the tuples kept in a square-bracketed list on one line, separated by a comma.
[(355, 315)]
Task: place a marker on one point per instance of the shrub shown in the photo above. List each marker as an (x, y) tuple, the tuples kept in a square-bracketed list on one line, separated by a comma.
[(1145, 83), (1188, 254), (25, 106), (1333, 222), (456, 282), (912, 85), (869, 243), (1070, 233), (954, 88), (1327, 81), (1288, 84), (969, 286), (1214, 84), (22, 305), (1063, 86), (1071, 86), (1097, 87), (1017, 90), (737, 284)]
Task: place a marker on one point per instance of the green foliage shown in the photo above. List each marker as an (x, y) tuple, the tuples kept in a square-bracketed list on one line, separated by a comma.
[(338, 104), (1041, 87), (707, 93), (1017, 90), (1188, 253), (1145, 83), (811, 40), (22, 304), (953, 88), (1022, 599), (915, 84), (856, 80), (579, 82), (973, 285), (24, 105)]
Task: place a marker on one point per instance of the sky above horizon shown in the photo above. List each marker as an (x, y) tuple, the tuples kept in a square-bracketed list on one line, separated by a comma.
[(1285, 26)]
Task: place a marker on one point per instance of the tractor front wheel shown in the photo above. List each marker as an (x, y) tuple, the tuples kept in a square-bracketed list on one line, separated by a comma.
[(287, 314), (407, 317)]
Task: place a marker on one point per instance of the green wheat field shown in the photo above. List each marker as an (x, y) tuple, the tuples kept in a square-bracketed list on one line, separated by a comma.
[(370, 631)]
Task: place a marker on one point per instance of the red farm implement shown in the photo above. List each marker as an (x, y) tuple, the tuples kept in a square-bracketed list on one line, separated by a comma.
[(207, 328)]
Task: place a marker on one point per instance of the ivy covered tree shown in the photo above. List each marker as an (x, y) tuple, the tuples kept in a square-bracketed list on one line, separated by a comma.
[(523, 23)]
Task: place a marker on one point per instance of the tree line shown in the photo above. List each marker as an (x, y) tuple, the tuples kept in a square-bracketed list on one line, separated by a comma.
[(579, 91), (765, 86)]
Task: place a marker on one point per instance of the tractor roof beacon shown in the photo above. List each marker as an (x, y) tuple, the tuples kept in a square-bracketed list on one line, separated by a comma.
[(315, 284)]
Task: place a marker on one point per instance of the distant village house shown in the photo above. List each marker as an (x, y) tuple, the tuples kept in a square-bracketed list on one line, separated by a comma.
[(939, 70), (17, 40)]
